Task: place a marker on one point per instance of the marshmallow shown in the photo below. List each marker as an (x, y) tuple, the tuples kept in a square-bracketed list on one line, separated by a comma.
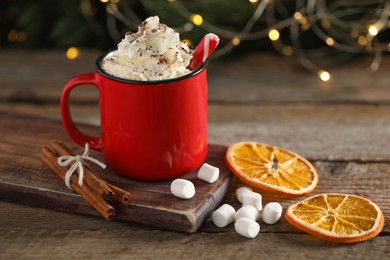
[(252, 198), (272, 212), (223, 216), (208, 173), (182, 188), (240, 191), (247, 211), (247, 227)]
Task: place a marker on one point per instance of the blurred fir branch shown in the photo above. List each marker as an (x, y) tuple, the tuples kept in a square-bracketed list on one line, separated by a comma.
[(60, 24), (50, 24), (85, 23)]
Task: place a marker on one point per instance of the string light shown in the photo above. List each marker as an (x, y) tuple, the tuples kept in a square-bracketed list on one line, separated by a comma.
[(72, 53), (305, 24), (14, 36), (187, 41), (298, 16), (236, 41), (303, 20), (197, 19), (372, 30), (329, 41), (273, 35), (287, 51), (324, 75), (325, 24), (362, 40), (330, 22)]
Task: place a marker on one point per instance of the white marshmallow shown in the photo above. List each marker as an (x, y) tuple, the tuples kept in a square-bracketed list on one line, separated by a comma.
[(252, 198), (223, 216), (240, 191), (183, 188), (247, 227), (208, 173), (247, 211), (272, 212)]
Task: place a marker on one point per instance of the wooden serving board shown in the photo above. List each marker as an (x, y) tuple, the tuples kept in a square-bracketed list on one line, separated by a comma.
[(25, 179)]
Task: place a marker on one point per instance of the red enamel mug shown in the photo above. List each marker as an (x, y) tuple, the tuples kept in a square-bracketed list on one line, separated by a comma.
[(150, 130)]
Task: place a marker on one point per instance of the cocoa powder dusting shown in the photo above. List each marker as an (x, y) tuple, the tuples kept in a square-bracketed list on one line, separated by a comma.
[(162, 60)]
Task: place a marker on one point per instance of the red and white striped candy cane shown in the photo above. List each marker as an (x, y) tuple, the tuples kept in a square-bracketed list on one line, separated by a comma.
[(204, 49)]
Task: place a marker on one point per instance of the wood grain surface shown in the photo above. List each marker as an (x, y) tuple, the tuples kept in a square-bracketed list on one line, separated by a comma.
[(342, 127), (25, 179)]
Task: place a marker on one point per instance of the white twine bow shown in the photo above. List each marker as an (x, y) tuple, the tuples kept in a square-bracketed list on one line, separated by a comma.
[(77, 161)]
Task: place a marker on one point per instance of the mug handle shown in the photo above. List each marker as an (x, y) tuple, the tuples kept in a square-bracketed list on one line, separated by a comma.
[(79, 137)]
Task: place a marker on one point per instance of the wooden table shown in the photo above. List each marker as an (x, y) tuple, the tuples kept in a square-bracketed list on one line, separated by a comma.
[(342, 126)]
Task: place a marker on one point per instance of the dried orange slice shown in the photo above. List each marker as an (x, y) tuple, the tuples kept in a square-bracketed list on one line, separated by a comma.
[(337, 217), (271, 168)]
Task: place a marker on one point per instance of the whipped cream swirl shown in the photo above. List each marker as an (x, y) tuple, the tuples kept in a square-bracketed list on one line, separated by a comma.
[(155, 52)]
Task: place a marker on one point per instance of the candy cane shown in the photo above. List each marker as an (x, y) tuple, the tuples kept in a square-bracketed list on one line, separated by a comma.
[(204, 49)]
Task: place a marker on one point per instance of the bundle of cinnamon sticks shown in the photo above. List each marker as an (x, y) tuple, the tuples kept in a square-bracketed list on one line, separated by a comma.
[(95, 191)]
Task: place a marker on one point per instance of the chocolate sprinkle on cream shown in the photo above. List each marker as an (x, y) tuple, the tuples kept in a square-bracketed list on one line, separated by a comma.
[(154, 52)]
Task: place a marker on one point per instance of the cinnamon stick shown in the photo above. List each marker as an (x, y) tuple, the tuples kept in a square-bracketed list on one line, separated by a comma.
[(93, 199), (121, 196), (91, 179), (116, 194)]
